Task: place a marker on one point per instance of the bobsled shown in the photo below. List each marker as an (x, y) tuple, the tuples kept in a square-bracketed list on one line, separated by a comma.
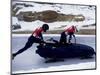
[(50, 50)]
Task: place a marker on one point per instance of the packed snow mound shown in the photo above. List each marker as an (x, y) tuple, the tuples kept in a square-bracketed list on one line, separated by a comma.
[(61, 8), (87, 11)]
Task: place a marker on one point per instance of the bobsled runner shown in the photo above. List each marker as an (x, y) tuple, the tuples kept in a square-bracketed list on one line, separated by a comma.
[(51, 50)]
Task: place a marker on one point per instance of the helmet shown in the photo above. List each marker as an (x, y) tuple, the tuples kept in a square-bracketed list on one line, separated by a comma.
[(45, 27), (73, 26)]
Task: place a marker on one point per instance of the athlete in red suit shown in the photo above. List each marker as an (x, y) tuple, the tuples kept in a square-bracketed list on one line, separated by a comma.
[(36, 37), (69, 31)]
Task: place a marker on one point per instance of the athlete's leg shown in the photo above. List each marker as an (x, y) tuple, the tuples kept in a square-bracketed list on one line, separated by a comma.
[(70, 37), (74, 38), (27, 45), (63, 38)]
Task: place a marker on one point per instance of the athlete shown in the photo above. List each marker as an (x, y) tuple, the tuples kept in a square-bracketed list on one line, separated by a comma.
[(69, 31), (36, 37)]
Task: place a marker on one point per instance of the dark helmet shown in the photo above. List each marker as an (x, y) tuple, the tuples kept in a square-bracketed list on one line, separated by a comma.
[(73, 26), (45, 27)]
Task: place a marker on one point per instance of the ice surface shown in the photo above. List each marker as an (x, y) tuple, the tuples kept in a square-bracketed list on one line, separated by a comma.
[(29, 61)]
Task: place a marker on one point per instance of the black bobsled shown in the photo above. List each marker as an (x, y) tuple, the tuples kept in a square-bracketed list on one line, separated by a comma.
[(65, 51)]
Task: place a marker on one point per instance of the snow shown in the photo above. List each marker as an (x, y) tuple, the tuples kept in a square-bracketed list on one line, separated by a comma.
[(29, 61), (15, 21), (30, 26), (62, 8), (87, 11)]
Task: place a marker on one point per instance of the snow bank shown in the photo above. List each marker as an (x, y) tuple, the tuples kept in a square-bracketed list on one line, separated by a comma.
[(87, 11)]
